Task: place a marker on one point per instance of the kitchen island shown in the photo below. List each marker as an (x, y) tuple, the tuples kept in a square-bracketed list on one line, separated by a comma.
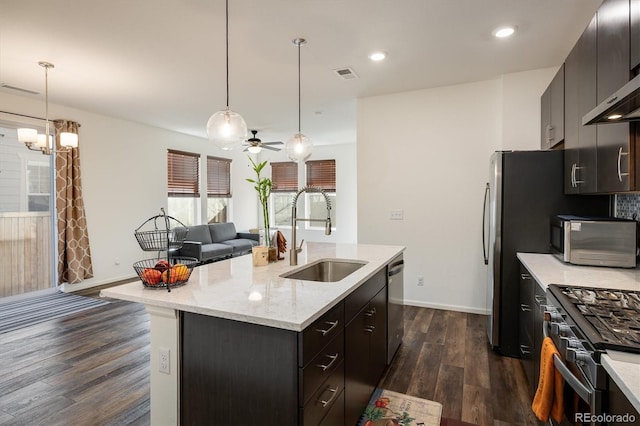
[(623, 368), (231, 312)]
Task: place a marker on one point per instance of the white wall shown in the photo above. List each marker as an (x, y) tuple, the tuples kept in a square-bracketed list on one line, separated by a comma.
[(124, 175), (426, 152)]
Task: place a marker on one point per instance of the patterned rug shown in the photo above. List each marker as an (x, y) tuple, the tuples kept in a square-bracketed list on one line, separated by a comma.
[(387, 408), (27, 309)]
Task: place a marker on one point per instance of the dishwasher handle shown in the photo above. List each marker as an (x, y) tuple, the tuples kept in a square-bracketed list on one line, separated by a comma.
[(395, 268)]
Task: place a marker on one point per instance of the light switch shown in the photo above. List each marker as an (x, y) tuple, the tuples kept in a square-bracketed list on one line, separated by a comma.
[(397, 215)]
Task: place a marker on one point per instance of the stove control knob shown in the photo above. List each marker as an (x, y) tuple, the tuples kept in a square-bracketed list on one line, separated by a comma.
[(559, 329), (551, 314), (577, 355), (569, 342)]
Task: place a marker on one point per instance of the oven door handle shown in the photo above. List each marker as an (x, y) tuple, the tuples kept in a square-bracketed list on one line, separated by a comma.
[(575, 384)]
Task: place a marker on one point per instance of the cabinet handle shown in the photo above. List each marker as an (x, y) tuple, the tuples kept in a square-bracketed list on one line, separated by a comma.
[(550, 135), (370, 328), (574, 180), (333, 360), (524, 350), (333, 325), (333, 392), (525, 276), (525, 308), (540, 299), (371, 312), (620, 174)]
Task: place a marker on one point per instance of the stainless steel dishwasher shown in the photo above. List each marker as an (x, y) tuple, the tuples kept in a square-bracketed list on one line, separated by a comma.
[(395, 297)]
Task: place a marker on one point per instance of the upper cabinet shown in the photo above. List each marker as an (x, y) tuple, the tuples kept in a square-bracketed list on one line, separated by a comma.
[(600, 158), (635, 33), (580, 157), (613, 73), (552, 112)]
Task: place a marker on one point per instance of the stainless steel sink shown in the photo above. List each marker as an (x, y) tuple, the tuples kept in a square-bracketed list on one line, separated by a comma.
[(325, 270)]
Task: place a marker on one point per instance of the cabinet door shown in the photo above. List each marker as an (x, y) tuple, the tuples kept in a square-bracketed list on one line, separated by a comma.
[(540, 299), (635, 34), (378, 341), (580, 174), (525, 319), (357, 366), (545, 118), (552, 112), (613, 73)]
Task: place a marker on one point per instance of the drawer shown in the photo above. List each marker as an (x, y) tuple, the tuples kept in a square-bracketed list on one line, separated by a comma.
[(321, 367), (322, 402), (335, 416), (319, 334), (354, 302)]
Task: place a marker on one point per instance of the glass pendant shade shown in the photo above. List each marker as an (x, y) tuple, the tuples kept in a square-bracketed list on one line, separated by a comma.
[(28, 136), (227, 129), (299, 148), (68, 140), (42, 141)]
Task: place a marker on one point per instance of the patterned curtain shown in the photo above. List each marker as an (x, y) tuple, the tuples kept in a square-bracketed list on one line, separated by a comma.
[(74, 255)]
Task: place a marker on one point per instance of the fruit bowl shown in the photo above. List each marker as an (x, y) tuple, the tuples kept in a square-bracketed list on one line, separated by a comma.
[(163, 273)]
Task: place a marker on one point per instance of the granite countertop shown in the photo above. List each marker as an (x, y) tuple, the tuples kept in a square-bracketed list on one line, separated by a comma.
[(235, 289), (624, 368)]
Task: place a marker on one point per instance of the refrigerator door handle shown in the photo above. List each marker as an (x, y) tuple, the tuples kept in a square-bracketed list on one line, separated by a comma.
[(485, 249)]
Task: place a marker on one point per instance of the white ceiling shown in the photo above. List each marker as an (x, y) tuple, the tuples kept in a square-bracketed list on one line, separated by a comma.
[(162, 62)]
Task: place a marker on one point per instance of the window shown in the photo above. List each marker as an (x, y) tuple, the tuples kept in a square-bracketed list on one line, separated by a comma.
[(218, 189), (321, 174), (284, 177), (183, 171), (38, 186)]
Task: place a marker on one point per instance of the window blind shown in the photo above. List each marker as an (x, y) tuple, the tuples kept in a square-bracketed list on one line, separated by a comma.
[(218, 177), (183, 170), (284, 177), (322, 174)]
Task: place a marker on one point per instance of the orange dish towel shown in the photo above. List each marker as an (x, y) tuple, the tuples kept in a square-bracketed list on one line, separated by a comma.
[(549, 395)]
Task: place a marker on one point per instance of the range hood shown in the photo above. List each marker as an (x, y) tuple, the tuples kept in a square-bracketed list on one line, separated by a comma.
[(623, 105)]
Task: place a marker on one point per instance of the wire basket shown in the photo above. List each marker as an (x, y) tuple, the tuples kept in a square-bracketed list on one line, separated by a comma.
[(163, 273), (163, 236)]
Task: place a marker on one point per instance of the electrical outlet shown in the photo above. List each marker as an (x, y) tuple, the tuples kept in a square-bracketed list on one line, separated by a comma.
[(164, 360), (420, 280)]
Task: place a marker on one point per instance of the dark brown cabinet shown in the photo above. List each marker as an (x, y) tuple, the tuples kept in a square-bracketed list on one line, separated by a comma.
[(580, 143), (612, 74), (531, 320), (552, 112), (232, 372), (366, 350), (634, 33)]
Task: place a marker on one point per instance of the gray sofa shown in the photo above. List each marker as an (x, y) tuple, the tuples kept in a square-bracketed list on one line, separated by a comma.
[(216, 241)]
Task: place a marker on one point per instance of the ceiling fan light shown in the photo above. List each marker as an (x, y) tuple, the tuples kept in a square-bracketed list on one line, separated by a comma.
[(226, 129), (254, 149), (299, 148), (27, 135)]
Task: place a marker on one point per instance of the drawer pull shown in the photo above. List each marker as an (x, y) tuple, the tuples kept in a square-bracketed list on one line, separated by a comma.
[(370, 328), (525, 308), (333, 325), (333, 360), (371, 312), (333, 392)]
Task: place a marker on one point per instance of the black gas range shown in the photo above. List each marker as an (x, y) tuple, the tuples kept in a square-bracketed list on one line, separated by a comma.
[(584, 322)]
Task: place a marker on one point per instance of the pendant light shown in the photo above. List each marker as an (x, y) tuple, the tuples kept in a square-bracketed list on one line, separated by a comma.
[(227, 129), (299, 146), (44, 142)]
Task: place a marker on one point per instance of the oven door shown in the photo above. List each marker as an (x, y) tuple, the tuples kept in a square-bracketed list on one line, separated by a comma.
[(582, 401)]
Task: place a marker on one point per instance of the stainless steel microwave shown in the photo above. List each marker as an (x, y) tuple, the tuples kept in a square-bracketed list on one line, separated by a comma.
[(594, 241)]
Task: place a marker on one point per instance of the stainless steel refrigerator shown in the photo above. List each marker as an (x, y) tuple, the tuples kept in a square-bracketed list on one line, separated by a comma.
[(525, 189)]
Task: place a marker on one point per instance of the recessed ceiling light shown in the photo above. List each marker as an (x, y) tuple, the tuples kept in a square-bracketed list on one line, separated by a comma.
[(377, 56), (503, 32)]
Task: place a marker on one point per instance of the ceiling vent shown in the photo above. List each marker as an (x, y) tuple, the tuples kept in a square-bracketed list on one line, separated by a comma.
[(346, 73), (19, 89)]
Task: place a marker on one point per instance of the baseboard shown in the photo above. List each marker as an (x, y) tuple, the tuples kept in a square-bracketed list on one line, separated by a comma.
[(97, 285), (457, 308)]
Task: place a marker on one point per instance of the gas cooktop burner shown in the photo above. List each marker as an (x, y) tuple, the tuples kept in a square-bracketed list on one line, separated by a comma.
[(613, 314)]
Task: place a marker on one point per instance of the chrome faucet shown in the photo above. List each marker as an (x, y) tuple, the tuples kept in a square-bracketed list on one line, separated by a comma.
[(293, 256)]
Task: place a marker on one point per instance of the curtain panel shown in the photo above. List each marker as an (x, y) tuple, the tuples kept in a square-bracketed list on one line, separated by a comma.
[(74, 254)]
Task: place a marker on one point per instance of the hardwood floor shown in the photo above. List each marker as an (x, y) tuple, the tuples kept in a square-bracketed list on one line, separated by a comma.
[(93, 369), (445, 357)]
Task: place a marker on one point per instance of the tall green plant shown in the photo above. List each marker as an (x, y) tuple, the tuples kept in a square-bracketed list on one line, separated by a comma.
[(262, 185)]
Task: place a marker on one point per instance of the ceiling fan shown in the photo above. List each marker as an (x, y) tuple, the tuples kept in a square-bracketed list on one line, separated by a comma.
[(254, 144)]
